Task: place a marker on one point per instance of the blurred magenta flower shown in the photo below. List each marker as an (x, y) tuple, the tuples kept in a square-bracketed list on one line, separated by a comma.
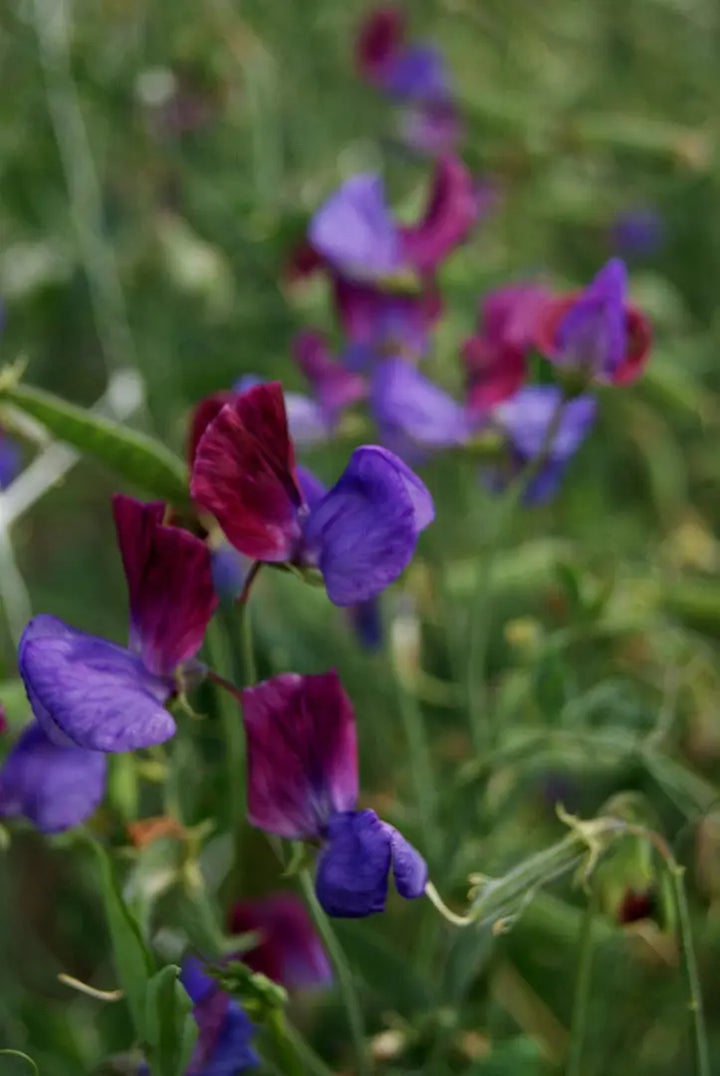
[(303, 785), (527, 420), (223, 1047), (361, 534), (54, 786), (495, 357), (596, 332), (87, 691), (289, 950)]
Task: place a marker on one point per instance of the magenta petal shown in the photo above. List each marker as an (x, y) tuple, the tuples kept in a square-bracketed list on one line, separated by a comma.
[(56, 787), (289, 950), (333, 385), (363, 533), (244, 474), (352, 871), (406, 402), (451, 213), (408, 866), (378, 41), (169, 577), (88, 691), (302, 753), (354, 230)]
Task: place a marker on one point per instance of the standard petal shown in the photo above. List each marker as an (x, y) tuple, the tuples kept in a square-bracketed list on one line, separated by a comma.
[(244, 474), (407, 403), (354, 229), (169, 577), (289, 950), (203, 414), (90, 692), (408, 866), (452, 211), (363, 533), (55, 786), (302, 753), (352, 872)]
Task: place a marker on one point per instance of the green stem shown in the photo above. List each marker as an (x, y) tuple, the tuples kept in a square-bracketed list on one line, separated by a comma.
[(220, 654), (313, 1065), (420, 767), (290, 1063), (22, 1057), (702, 1059), (248, 649), (343, 973), (582, 991)]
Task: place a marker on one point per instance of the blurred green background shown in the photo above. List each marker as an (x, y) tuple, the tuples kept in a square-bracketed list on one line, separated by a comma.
[(158, 163)]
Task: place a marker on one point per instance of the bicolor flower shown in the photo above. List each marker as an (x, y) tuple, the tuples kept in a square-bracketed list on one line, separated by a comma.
[(495, 357), (87, 691), (596, 332), (288, 949), (527, 421), (303, 785), (54, 786), (413, 413), (223, 1047), (361, 534), (355, 232)]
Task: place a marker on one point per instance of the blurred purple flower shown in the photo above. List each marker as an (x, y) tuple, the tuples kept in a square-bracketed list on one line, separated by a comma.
[(596, 332), (289, 950), (54, 786), (526, 421), (223, 1047), (413, 413), (334, 386), (638, 232), (361, 534), (303, 785), (87, 691)]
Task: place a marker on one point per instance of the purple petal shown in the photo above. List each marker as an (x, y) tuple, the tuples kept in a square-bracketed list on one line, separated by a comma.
[(90, 692), (225, 1030), (289, 950), (452, 211), (229, 571), (354, 230), (302, 753), (55, 787), (422, 502), (10, 460), (405, 401), (170, 583), (433, 128), (408, 866), (352, 871), (378, 322), (363, 533), (638, 232), (313, 490), (592, 334), (417, 73), (367, 623), (308, 422), (527, 417)]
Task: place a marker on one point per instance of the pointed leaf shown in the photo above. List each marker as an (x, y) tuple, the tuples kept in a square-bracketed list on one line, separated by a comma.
[(130, 454), (170, 1030)]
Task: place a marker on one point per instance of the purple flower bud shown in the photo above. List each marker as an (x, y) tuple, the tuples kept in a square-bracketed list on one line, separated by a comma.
[(55, 786)]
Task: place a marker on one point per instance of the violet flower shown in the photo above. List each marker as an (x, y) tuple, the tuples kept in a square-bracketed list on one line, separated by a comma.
[(596, 332), (288, 950), (526, 421), (495, 357), (54, 786), (223, 1047), (303, 785), (638, 232), (87, 691), (413, 413), (361, 534)]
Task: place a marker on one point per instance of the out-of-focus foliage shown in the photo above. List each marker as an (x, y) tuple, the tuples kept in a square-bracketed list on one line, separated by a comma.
[(158, 162)]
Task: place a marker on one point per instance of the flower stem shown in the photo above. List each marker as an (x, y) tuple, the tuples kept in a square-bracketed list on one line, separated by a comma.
[(702, 1059), (582, 991), (291, 1063), (249, 667), (343, 973)]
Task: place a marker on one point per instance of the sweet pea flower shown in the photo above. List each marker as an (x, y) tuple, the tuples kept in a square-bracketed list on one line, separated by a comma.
[(495, 358), (361, 534), (223, 1046), (413, 413), (54, 786), (596, 332), (355, 232), (87, 691), (303, 785), (288, 949), (526, 421)]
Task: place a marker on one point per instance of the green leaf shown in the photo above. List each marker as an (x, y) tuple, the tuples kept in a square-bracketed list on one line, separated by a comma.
[(132, 455), (133, 962), (170, 1029)]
